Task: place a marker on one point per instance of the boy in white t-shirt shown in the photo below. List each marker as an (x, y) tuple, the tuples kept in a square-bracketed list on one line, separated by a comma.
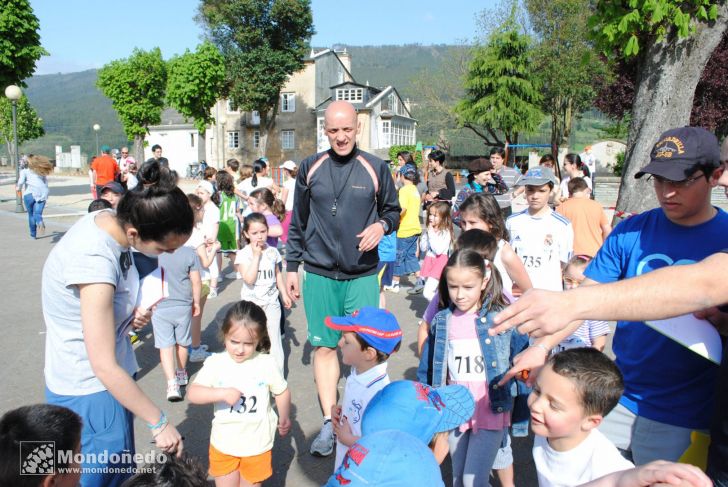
[(573, 392), (543, 239), (370, 335)]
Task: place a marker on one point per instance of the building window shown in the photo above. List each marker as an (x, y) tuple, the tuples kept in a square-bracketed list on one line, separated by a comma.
[(288, 102), (288, 140), (350, 94), (229, 107), (386, 133), (321, 138), (255, 117), (192, 139), (233, 140), (256, 139)]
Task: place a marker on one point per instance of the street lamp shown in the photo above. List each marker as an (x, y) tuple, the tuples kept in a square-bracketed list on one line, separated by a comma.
[(96, 128), (14, 93)]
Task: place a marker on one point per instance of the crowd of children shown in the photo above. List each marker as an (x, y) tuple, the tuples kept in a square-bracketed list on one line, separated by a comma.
[(389, 433)]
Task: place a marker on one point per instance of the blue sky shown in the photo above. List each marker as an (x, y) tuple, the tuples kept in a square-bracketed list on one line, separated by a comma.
[(84, 34)]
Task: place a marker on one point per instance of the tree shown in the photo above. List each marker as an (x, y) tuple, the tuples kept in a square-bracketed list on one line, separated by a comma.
[(671, 42), (501, 91), (263, 43), (19, 42), (195, 82), (30, 126), (136, 88), (568, 65)]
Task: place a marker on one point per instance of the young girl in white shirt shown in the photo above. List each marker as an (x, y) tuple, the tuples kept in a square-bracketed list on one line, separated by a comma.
[(239, 382), (259, 265), (435, 243), (210, 225)]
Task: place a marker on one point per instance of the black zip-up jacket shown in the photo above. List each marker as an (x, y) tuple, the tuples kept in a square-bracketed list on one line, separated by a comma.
[(326, 240)]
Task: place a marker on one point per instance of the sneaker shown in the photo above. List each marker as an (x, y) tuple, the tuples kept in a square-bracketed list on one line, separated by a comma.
[(233, 275), (173, 394), (199, 354), (417, 289), (323, 444), (182, 378), (213, 293), (219, 279), (394, 288), (40, 229), (133, 337)]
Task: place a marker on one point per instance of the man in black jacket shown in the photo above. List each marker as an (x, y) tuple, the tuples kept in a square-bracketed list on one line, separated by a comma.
[(344, 202)]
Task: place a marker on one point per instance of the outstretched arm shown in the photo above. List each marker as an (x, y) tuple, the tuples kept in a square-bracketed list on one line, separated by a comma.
[(671, 291)]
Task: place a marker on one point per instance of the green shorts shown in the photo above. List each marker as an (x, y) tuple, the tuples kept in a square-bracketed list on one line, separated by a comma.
[(324, 297)]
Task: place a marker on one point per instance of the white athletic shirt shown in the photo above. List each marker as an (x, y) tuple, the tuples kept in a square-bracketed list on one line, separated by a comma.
[(542, 243), (595, 457)]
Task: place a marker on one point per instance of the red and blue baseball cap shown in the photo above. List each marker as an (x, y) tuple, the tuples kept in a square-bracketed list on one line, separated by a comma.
[(388, 459), (378, 327), (418, 409)]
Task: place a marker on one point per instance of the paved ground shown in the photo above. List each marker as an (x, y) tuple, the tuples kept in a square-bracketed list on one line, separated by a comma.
[(21, 350)]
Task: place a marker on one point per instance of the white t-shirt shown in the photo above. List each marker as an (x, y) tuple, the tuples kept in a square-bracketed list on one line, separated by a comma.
[(542, 243), (359, 390), (595, 457), (264, 291), (246, 185), (195, 241), (210, 219), (290, 185), (249, 427), (565, 185), (505, 278), (85, 255)]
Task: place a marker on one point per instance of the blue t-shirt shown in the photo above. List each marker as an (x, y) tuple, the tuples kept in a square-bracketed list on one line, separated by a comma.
[(664, 381)]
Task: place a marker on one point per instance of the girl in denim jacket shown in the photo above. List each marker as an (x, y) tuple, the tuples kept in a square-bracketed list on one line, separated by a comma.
[(459, 351)]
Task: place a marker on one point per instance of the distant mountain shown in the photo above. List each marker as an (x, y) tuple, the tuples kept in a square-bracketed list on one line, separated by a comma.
[(70, 104)]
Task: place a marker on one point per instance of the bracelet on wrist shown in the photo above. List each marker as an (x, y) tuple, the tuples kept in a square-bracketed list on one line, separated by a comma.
[(542, 347), (162, 421), (154, 436)]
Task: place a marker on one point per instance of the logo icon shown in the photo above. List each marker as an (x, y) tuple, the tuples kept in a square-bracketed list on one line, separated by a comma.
[(37, 457)]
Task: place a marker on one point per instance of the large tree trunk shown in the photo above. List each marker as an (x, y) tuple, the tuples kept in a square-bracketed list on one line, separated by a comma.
[(139, 150), (667, 75)]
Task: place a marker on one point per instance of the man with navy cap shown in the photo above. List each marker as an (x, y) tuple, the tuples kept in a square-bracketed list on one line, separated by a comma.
[(669, 390)]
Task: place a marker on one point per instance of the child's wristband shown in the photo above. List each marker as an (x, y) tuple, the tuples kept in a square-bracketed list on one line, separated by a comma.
[(162, 421)]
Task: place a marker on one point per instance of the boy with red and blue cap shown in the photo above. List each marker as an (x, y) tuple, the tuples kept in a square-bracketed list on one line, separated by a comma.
[(370, 335)]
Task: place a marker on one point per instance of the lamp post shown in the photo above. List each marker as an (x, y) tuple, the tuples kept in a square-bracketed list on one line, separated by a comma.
[(223, 141), (96, 128), (14, 93)]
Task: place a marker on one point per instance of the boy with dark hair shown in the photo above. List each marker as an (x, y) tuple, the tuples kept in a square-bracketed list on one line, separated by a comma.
[(370, 335), (31, 440), (173, 472), (542, 238), (572, 394)]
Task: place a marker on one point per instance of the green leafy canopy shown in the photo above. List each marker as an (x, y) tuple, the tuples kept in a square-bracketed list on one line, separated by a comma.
[(263, 43), (502, 92), (29, 125), (194, 83), (19, 42), (623, 28), (136, 87)]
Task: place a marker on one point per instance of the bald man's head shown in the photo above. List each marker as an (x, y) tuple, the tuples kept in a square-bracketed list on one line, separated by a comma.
[(341, 126)]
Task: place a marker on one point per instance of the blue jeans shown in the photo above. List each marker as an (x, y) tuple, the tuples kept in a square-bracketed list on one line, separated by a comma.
[(35, 212)]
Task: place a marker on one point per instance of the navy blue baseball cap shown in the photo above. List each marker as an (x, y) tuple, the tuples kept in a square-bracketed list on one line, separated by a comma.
[(378, 327), (679, 152)]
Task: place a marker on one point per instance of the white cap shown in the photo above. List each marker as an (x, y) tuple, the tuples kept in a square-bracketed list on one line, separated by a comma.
[(207, 186), (290, 165)]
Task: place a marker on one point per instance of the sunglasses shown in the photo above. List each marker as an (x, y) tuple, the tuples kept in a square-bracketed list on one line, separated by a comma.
[(674, 184)]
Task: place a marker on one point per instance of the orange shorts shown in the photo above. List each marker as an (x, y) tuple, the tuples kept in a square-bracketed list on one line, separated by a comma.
[(254, 469)]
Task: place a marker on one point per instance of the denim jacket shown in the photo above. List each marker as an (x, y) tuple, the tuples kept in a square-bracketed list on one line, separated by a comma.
[(498, 351)]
